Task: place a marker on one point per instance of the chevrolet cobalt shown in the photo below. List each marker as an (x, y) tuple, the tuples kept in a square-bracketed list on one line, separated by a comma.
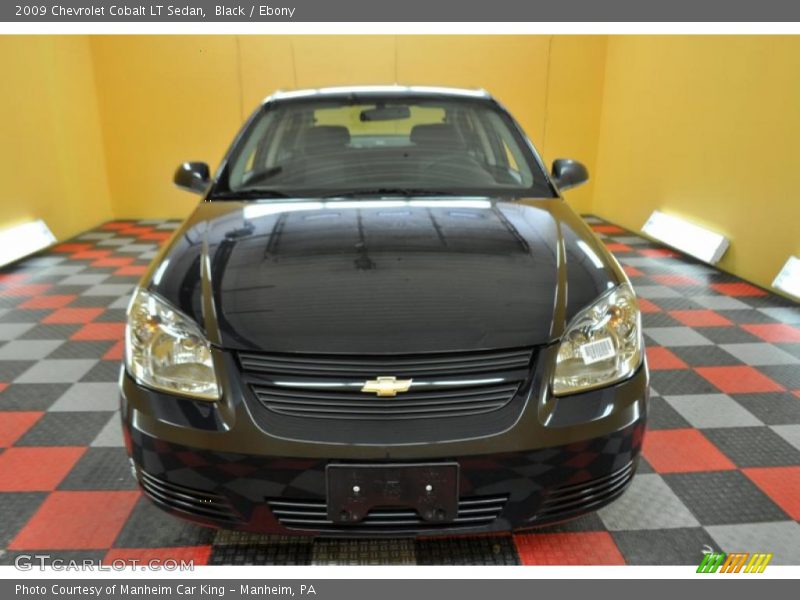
[(383, 319)]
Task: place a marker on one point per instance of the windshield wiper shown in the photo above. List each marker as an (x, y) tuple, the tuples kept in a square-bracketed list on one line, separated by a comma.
[(388, 191), (250, 194)]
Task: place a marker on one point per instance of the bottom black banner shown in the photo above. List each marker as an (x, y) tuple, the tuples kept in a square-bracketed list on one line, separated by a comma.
[(383, 589)]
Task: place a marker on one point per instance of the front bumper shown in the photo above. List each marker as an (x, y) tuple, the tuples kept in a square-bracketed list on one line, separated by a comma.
[(213, 464)]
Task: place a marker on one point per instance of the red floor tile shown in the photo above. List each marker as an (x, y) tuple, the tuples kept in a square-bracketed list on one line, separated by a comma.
[(700, 318), (618, 247), (116, 351), (135, 231), (589, 548), (738, 289), (607, 229), (14, 424), (676, 280), (135, 270), (658, 253), (782, 484), (648, 306), (112, 261), (632, 271), (774, 332), (156, 236), (12, 278), (683, 451), (90, 254), (55, 301), (32, 289), (199, 555), (70, 248), (741, 379), (76, 520), (100, 331), (73, 315), (3, 386), (661, 359), (36, 468)]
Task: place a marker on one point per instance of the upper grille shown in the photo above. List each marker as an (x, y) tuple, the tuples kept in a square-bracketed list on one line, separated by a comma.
[(329, 387), (356, 405), (372, 366), (299, 396)]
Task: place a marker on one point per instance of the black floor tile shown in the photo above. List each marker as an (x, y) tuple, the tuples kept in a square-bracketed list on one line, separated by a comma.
[(150, 527), (488, 550), (723, 498), (754, 446), (64, 429), (683, 546), (101, 469)]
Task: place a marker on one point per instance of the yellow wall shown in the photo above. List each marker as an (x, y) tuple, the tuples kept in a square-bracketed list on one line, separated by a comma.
[(574, 106), (51, 157), (706, 128), (702, 127), (163, 100), (173, 98)]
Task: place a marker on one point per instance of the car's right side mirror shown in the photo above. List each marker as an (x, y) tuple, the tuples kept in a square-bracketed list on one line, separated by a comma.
[(568, 173), (193, 177)]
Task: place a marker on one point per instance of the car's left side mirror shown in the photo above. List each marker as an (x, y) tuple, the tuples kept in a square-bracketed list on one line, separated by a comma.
[(568, 173), (193, 177)]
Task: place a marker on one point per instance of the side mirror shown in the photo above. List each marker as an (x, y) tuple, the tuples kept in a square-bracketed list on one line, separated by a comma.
[(192, 177), (568, 173)]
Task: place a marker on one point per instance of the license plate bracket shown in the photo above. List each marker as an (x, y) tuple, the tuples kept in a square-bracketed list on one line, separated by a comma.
[(430, 489)]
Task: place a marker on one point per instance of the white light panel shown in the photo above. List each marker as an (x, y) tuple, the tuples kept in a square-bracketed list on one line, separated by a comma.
[(22, 240), (788, 280), (687, 237)]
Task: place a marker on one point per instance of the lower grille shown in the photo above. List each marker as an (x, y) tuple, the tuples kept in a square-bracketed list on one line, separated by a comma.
[(187, 500), (566, 501), (313, 515)]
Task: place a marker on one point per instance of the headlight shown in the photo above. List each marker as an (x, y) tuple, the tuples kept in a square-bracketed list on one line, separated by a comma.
[(166, 350), (602, 344)]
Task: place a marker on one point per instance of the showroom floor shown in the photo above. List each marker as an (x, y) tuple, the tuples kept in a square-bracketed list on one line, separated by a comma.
[(722, 466)]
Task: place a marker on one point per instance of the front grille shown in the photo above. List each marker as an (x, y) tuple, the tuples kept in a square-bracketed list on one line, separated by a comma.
[(566, 501), (187, 500), (313, 515), (329, 387), (356, 405), (374, 366), (300, 396)]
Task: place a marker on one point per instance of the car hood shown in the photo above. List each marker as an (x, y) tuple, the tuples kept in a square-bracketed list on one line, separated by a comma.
[(382, 275)]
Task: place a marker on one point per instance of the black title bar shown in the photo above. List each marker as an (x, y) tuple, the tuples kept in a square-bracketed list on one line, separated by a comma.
[(464, 11)]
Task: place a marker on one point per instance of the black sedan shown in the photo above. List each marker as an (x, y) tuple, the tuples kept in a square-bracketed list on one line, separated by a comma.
[(383, 319)]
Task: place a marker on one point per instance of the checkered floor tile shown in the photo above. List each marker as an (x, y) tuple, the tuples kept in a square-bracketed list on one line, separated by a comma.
[(720, 467)]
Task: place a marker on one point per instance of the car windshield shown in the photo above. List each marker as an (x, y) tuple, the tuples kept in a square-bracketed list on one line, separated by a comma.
[(381, 145)]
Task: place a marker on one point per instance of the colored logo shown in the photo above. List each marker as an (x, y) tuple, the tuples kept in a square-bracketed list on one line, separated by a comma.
[(386, 386), (736, 562)]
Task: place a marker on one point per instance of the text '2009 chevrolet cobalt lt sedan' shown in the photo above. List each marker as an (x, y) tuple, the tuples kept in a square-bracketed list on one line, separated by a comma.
[(383, 319)]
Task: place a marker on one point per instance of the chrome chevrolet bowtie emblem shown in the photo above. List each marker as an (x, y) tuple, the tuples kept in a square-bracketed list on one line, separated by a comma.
[(386, 386)]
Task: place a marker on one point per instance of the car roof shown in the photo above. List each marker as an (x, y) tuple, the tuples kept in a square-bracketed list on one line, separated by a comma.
[(366, 90)]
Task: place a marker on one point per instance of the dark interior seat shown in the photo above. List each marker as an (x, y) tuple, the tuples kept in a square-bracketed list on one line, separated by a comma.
[(324, 139), (442, 137)]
